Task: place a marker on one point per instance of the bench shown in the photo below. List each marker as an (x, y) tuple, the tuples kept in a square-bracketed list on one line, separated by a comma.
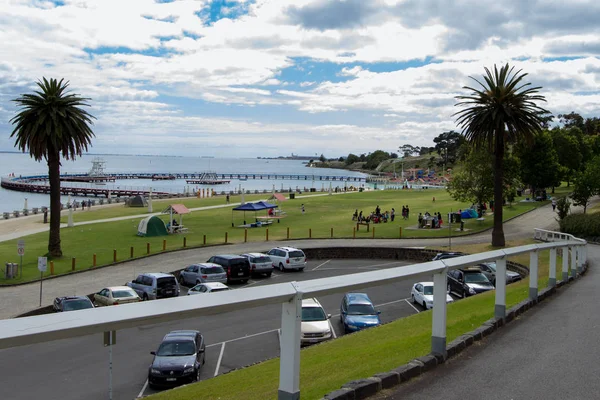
[(362, 223)]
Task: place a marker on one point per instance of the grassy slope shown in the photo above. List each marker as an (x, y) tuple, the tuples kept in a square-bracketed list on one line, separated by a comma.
[(322, 214), (327, 366)]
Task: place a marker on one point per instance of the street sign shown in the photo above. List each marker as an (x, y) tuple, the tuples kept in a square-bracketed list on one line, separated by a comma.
[(42, 264), (21, 247)]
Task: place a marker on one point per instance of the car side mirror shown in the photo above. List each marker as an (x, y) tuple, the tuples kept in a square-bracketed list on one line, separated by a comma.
[(328, 316), (378, 312), (200, 351), (153, 353)]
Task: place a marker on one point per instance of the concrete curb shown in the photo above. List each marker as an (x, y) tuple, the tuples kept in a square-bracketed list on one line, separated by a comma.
[(357, 389)]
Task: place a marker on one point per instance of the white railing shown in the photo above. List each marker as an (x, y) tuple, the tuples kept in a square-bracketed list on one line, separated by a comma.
[(29, 330)]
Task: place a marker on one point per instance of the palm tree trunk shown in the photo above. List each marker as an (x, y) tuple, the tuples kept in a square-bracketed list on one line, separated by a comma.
[(54, 249), (498, 231)]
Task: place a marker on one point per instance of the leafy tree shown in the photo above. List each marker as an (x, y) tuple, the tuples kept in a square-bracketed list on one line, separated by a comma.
[(563, 205), (502, 111), (352, 158), (426, 150), (567, 148), (49, 124), (341, 159), (322, 158), (475, 182), (447, 145), (540, 168), (394, 155), (587, 184), (375, 158), (408, 150), (572, 119)]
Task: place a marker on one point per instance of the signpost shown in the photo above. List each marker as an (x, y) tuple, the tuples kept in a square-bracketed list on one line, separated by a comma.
[(42, 267), (21, 252)]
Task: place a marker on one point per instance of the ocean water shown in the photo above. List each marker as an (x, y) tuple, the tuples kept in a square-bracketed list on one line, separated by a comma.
[(22, 165)]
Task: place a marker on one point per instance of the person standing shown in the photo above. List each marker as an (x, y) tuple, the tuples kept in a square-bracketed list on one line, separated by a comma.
[(302, 208), (227, 199), (393, 215), (553, 204)]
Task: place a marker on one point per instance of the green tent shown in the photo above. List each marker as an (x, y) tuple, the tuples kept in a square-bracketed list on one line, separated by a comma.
[(152, 226)]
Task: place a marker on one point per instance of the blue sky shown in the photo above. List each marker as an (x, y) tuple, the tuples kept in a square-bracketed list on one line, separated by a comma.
[(264, 77)]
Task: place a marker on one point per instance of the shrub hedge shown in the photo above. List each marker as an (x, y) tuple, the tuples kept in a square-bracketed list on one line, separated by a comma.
[(581, 225)]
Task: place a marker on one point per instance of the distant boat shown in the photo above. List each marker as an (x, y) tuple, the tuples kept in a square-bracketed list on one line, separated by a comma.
[(243, 179), (207, 157)]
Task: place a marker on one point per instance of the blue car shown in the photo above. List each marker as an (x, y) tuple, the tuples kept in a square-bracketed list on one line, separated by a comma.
[(357, 312)]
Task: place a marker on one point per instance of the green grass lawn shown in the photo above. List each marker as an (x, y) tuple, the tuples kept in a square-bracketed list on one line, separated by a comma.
[(323, 214), (327, 366)]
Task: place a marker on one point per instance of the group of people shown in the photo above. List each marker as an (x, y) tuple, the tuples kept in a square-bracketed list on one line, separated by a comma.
[(74, 204), (375, 216), (436, 220)]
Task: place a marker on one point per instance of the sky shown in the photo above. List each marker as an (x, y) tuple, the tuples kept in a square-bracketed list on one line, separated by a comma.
[(263, 78)]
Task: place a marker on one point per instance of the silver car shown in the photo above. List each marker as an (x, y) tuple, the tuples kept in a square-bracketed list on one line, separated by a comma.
[(201, 273), (259, 263)]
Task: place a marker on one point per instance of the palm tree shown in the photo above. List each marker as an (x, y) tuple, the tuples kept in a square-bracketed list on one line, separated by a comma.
[(51, 124), (502, 111)]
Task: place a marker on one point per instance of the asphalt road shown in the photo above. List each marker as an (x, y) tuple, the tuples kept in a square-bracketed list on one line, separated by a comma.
[(79, 368)]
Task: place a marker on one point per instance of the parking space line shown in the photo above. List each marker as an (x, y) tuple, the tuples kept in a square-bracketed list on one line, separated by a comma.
[(409, 303), (391, 302), (279, 336), (241, 338), (320, 265), (332, 330), (141, 394), (250, 283), (219, 360)]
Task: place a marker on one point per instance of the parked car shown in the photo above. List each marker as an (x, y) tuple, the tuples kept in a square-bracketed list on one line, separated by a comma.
[(259, 263), (447, 254), (422, 293), (287, 258), (178, 360), (467, 282), (315, 326), (200, 273), (236, 267), (71, 303), (115, 295), (156, 285), (489, 270), (357, 312), (209, 287)]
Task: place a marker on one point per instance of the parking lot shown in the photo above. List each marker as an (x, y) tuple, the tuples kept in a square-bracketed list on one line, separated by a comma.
[(234, 340)]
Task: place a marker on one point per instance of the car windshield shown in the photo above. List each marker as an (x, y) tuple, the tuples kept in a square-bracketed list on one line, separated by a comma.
[(118, 294), (361, 309), (78, 304), (296, 253), (166, 282), (310, 314), (174, 349), (491, 266), (259, 260), (476, 277), (219, 289), (212, 270), (427, 289)]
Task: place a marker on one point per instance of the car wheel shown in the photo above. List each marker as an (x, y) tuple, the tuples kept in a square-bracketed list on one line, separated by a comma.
[(198, 282), (424, 305), (464, 294), (145, 297), (281, 267), (269, 274), (198, 375), (204, 359), (413, 299), (301, 269), (181, 281), (245, 281)]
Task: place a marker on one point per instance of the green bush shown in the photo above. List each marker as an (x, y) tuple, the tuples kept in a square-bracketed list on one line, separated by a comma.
[(581, 225)]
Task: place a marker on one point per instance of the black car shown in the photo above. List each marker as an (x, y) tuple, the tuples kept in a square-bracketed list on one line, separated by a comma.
[(447, 254), (237, 267), (71, 303), (467, 282), (178, 359)]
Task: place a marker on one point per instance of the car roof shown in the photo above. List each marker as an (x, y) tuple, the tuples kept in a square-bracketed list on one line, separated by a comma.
[(182, 334), (255, 255), (63, 298), (207, 264), (358, 298), (424, 283), (229, 256), (118, 288), (214, 285), (287, 248), (312, 302), (471, 269), (158, 274)]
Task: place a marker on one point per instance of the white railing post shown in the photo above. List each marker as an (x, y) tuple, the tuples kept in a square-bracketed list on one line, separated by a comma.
[(500, 308), (289, 362), (579, 258), (565, 263), (584, 252), (573, 261), (552, 278), (533, 275), (438, 326)]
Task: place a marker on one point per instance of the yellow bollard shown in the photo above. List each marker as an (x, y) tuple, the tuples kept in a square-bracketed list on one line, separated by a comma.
[(226, 234), (114, 255), (373, 233), (245, 234), (184, 242), (131, 252), (164, 244), (288, 232), (204, 239), (147, 248), (51, 267), (353, 232), (309, 233), (73, 264), (94, 260), (267, 234), (332, 233), (400, 232)]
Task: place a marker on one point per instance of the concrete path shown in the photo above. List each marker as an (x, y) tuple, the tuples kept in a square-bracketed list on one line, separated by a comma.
[(550, 352)]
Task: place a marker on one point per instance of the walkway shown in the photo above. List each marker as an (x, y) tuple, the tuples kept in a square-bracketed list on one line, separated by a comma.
[(547, 353)]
